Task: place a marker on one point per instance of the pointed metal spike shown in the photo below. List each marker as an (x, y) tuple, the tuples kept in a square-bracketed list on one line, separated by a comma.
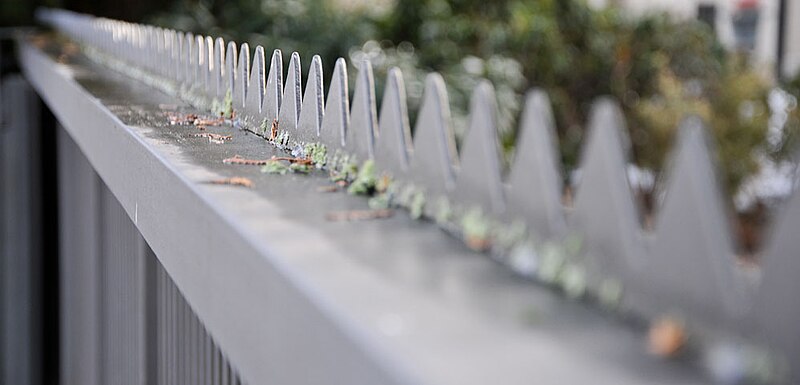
[(479, 178), (360, 137), (242, 77), (187, 56), (432, 165), (691, 267), (392, 146), (776, 310), (310, 121), (535, 180), (273, 93), (605, 212), (175, 51), (201, 63), (207, 69), (337, 109), (289, 115), (255, 93), (218, 70), (229, 81)]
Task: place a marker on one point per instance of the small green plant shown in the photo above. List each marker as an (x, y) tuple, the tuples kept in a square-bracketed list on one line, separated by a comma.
[(365, 181), (476, 229), (317, 152), (275, 167), (302, 168), (223, 109), (417, 205)]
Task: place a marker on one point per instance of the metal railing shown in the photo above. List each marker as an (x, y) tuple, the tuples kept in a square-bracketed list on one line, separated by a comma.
[(685, 266)]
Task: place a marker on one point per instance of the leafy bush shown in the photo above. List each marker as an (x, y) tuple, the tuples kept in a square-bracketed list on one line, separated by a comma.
[(660, 69)]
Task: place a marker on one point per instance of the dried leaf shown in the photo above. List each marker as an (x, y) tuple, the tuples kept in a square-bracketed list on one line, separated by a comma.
[(234, 181)]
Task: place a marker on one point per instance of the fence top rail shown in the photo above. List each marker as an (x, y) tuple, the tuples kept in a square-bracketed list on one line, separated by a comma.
[(595, 249)]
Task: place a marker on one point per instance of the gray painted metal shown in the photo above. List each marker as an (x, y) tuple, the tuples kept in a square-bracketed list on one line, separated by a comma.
[(292, 96), (479, 180), (333, 129), (535, 179), (21, 251), (254, 97), (605, 213), (691, 264), (273, 91), (296, 283), (310, 121), (393, 142), (434, 141), (360, 134)]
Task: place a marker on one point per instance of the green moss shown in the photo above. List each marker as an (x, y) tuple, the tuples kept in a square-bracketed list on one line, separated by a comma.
[(444, 213), (318, 153), (282, 140), (573, 280), (365, 180), (275, 167), (552, 262), (301, 168), (507, 236), (475, 226), (380, 201), (346, 172), (417, 205), (226, 108), (263, 126)]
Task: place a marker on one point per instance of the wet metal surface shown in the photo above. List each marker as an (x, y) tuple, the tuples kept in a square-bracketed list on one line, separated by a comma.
[(510, 330)]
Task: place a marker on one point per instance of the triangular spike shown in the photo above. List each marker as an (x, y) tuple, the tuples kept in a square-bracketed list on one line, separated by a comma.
[(175, 52), (337, 109), (310, 121), (229, 80), (209, 87), (535, 180), (291, 103), (479, 179), (177, 57), (273, 92), (255, 93), (187, 52), (394, 136), (434, 142), (776, 309), (605, 212), (363, 117), (242, 77), (218, 71), (691, 266), (201, 63)]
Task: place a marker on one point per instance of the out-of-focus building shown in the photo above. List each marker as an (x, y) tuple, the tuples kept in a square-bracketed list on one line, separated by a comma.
[(769, 30)]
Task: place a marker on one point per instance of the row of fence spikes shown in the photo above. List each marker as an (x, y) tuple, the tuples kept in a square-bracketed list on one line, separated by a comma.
[(686, 264)]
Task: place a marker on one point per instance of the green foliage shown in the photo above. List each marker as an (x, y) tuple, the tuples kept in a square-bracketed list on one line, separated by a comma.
[(365, 181), (659, 68), (275, 167)]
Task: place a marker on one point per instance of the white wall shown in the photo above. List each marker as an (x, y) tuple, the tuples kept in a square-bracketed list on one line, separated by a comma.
[(791, 43)]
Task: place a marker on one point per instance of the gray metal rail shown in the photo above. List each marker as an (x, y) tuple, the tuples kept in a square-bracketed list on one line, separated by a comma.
[(204, 277)]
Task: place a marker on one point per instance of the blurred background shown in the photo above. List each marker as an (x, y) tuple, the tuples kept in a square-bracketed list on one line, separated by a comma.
[(733, 62)]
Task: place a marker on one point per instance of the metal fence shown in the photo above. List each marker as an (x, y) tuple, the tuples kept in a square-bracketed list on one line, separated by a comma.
[(125, 321)]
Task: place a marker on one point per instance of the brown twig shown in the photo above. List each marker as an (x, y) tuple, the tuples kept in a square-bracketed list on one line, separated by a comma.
[(273, 131), (292, 159), (237, 159), (213, 138), (234, 181), (358, 215)]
